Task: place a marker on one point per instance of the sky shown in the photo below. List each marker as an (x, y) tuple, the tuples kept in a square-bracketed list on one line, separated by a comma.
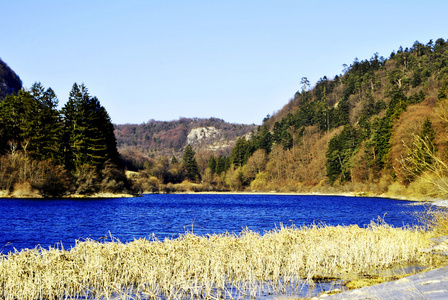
[(234, 60)]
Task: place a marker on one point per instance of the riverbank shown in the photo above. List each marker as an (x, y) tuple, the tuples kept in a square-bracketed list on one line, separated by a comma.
[(193, 189), (36, 195)]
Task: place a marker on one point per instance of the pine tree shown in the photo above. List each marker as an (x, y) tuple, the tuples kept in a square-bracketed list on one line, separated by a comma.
[(12, 115), (264, 140), (222, 164), (212, 164), (89, 133), (46, 135), (190, 164), (239, 153), (30, 119)]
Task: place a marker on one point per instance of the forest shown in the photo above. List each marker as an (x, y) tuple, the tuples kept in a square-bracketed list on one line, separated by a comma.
[(378, 128), (46, 152)]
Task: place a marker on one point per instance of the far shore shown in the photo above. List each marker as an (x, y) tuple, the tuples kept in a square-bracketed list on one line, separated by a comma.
[(6, 194), (433, 201), (343, 194)]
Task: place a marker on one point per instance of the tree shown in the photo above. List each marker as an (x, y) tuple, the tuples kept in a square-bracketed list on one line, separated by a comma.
[(212, 164), (340, 150), (305, 84), (190, 164), (256, 164), (31, 120), (89, 133), (46, 136), (240, 152), (222, 164), (264, 140)]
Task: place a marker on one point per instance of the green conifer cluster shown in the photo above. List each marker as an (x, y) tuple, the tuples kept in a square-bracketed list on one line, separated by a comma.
[(79, 139)]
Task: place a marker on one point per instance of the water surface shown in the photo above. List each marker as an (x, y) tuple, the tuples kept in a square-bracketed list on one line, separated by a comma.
[(26, 223)]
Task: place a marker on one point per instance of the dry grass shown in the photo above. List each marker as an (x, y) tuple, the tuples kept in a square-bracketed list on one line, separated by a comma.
[(436, 219), (225, 265)]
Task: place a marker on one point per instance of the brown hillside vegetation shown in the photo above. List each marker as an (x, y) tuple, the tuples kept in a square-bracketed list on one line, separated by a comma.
[(168, 138)]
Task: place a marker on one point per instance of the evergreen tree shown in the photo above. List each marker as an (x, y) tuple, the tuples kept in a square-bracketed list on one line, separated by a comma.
[(89, 133), (212, 164), (264, 140), (30, 120), (222, 164), (12, 116), (190, 164), (240, 153), (46, 136), (341, 149)]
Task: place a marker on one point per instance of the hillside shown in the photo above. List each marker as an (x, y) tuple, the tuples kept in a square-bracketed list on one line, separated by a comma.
[(380, 127), (361, 130), (9, 81), (168, 138)]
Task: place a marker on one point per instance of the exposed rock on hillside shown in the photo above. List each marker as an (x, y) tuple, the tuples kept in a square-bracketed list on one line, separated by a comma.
[(209, 138), (170, 137), (9, 81), (197, 135)]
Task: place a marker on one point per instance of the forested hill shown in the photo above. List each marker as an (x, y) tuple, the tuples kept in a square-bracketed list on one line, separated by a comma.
[(9, 81), (169, 138), (379, 127)]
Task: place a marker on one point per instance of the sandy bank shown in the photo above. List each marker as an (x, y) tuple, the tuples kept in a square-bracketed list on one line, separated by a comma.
[(7, 194)]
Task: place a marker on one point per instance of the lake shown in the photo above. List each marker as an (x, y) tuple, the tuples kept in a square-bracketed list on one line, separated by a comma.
[(26, 223)]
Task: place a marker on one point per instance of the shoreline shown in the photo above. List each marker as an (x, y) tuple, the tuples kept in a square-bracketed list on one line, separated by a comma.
[(432, 201), (343, 194), (6, 195)]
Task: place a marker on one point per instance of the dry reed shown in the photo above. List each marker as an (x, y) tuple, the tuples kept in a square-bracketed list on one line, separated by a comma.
[(212, 266)]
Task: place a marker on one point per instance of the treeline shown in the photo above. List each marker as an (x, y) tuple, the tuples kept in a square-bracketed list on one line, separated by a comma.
[(52, 153), (375, 128)]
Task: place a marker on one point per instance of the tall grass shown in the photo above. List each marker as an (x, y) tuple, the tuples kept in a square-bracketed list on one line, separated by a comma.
[(221, 265)]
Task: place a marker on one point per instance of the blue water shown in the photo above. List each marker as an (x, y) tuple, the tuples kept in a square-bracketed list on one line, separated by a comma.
[(26, 223)]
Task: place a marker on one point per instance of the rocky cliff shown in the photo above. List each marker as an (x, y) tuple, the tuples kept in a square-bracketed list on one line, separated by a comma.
[(9, 81)]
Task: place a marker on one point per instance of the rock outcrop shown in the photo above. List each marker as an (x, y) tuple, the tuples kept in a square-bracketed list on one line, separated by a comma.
[(208, 138), (199, 134)]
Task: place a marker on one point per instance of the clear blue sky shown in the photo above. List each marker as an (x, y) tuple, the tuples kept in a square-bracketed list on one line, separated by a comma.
[(230, 59)]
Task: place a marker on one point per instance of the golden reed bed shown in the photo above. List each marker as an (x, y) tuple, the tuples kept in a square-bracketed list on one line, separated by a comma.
[(213, 266)]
